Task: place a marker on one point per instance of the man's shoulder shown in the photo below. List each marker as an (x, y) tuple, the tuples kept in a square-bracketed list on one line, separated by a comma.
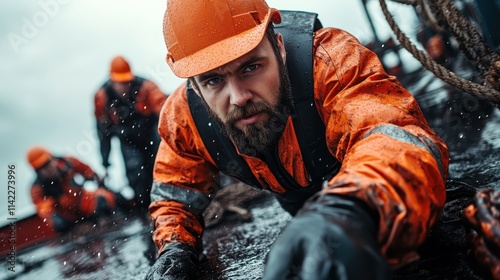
[(176, 107), (333, 36), (178, 98), (148, 86), (68, 160), (145, 82)]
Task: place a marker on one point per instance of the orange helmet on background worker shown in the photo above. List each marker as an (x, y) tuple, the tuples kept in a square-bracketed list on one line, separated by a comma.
[(120, 70), (38, 156), (225, 30)]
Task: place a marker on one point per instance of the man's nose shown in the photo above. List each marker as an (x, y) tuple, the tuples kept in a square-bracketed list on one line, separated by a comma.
[(239, 95)]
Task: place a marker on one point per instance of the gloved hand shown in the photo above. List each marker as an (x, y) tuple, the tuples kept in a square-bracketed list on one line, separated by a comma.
[(483, 224), (178, 261), (331, 238), (60, 224)]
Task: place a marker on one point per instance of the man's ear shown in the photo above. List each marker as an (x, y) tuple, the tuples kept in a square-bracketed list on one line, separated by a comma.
[(281, 46), (194, 86)]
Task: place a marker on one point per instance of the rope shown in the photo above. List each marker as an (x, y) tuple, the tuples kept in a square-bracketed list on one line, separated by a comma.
[(432, 15), (465, 33), (486, 91), (407, 2)]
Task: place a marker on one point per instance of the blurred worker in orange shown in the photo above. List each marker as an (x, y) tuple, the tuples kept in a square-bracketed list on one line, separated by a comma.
[(58, 192), (307, 113), (127, 107)]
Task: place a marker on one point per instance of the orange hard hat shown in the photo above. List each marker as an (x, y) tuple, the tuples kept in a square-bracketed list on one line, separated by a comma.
[(120, 70), (38, 156), (202, 35)]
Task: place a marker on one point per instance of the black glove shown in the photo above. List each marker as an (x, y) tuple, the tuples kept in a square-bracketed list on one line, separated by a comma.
[(178, 261), (61, 224), (333, 237)]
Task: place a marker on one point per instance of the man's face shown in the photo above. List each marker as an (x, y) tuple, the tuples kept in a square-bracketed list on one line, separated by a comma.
[(249, 97), (49, 170), (121, 88)]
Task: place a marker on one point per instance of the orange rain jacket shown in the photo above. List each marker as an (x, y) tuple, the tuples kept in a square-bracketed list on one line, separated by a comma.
[(66, 196), (390, 157)]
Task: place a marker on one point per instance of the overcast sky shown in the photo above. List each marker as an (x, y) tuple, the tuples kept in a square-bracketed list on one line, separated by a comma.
[(54, 55)]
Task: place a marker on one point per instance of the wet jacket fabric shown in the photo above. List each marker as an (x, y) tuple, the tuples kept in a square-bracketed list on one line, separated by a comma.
[(134, 120), (390, 157), (65, 195)]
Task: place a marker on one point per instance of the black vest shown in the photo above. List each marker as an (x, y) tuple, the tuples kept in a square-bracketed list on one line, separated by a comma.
[(126, 123)]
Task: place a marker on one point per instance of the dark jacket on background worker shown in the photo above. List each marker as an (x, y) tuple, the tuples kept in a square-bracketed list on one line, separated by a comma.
[(127, 107)]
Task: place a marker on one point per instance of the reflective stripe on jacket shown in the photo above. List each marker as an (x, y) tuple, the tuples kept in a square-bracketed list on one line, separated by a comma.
[(390, 157)]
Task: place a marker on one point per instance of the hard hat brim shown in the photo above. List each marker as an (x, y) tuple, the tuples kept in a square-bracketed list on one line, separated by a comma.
[(121, 77), (40, 161), (223, 51)]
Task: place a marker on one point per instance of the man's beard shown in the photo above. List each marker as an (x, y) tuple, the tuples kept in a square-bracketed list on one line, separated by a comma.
[(255, 138)]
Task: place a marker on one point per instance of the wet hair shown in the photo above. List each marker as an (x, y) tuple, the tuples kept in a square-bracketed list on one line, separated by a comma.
[(271, 36)]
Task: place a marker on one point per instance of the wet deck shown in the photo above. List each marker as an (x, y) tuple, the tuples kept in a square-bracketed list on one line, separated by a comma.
[(120, 247)]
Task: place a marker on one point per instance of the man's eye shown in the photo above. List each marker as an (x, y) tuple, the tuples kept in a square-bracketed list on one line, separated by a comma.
[(213, 81), (251, 68)]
